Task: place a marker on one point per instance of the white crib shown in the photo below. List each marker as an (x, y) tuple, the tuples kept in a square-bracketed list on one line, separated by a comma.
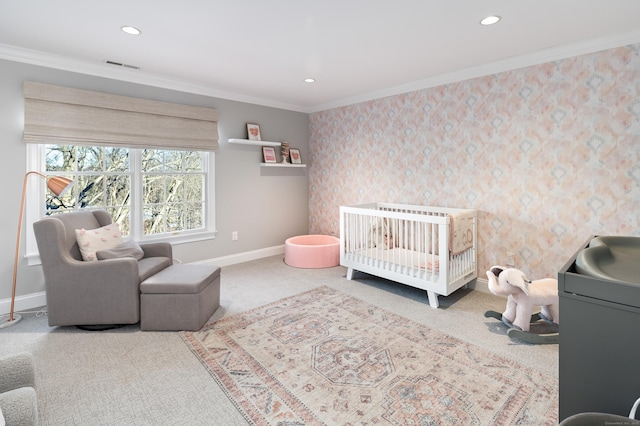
[(430, 248)]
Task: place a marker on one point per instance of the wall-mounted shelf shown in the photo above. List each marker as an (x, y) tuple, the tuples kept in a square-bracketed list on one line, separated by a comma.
[(254, 143), (281, 165), (265, 143)]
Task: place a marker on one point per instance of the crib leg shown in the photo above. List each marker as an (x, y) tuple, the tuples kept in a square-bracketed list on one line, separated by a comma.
[(349, 273), (433, 299)]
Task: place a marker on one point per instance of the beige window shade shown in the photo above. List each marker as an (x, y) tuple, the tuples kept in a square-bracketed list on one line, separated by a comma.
[(62, 115)]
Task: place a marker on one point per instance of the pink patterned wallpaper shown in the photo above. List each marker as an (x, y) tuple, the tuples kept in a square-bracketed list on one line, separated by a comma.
[(548, 155)]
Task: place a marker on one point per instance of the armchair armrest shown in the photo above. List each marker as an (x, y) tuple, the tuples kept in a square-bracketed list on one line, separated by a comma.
[(87, 293), (16, 371), (161, 249)]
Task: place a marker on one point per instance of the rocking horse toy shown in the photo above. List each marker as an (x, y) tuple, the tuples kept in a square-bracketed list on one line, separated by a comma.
[(522, 295)]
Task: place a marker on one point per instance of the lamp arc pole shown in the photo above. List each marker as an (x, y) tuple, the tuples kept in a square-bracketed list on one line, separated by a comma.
[(59, 186)]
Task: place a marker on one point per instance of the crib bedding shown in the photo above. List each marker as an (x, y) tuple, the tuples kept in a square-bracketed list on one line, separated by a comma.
[(461, 234), (402, 257)]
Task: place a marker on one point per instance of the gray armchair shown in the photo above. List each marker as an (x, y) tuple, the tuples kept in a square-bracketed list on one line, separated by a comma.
[(104, 292), (18, 402)]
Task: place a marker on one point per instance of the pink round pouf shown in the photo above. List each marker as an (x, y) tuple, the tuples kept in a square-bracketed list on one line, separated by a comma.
[(312, 251)]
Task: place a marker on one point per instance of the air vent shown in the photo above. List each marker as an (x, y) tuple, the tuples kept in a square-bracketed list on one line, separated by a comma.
[(119, 64)]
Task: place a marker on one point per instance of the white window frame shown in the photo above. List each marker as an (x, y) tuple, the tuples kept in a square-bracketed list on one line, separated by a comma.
[(35, 204)]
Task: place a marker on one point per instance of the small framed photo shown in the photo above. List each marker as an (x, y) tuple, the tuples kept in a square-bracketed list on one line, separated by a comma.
[(295, 156), (253, 130), (269, 154)]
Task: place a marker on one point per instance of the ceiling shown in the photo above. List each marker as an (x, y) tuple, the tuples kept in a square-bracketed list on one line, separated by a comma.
[(260, 51)]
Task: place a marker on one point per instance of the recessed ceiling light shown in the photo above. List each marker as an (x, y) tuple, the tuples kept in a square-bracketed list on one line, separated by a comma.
[(309, 80), (131, 30), (490, 20)]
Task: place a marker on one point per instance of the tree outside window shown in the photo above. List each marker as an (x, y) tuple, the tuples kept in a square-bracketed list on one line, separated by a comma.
[(170, 184)]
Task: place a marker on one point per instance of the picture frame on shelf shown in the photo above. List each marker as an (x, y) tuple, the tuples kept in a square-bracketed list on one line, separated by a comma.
[(269, 154), (253, 132), (294, 154)]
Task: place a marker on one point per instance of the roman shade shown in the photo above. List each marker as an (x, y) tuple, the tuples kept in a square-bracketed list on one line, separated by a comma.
[(67, 116)]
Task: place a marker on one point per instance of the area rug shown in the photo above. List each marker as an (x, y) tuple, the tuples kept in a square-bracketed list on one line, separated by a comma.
[(326, 358)]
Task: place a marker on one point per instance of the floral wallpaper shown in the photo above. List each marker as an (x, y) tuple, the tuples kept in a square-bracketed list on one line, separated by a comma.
[(549, 155)]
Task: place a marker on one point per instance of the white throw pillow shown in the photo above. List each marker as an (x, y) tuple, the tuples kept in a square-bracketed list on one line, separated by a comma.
[(2, 423), (92, 240)]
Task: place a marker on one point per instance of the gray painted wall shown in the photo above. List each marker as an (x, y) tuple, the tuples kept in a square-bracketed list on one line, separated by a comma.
[(264, 205)]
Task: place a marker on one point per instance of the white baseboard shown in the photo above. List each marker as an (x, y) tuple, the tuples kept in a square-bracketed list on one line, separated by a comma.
[(480, 284), (36, 300), (28, 301), (245, 257)]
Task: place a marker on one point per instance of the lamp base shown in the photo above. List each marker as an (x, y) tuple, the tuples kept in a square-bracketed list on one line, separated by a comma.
[(5, 323)]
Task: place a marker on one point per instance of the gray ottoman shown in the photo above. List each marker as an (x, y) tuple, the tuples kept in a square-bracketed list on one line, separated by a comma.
[(180, 297)]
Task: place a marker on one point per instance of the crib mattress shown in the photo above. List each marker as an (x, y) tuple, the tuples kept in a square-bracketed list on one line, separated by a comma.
[(402, 257)]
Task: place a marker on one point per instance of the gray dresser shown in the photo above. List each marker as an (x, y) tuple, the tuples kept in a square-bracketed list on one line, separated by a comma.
[(599, 341)]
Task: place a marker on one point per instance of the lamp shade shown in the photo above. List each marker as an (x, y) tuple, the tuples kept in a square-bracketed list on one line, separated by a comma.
[(59, 185)]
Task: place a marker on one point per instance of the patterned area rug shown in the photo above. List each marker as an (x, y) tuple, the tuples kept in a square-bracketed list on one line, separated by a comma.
[(324, 357)]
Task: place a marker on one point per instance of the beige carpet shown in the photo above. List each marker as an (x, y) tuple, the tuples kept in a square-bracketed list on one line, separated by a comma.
[(325, 357), (138, 378)]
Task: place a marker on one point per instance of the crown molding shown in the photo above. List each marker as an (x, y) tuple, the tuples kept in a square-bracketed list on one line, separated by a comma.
[(536, 58), (551, 54), (39, 58)]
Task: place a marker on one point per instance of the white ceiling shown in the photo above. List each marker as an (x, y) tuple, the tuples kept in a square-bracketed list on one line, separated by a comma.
[(260, 51)]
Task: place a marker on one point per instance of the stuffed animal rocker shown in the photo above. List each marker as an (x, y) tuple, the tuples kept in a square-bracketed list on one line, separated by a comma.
[(522, 296)]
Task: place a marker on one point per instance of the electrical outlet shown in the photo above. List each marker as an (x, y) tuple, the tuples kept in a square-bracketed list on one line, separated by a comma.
[(234, 236), (511, 260)]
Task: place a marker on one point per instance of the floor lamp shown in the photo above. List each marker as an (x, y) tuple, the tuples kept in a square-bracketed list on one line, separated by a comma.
[(59, 186)]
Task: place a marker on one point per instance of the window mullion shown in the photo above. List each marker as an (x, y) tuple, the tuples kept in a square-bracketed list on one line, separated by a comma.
[(136, 194)]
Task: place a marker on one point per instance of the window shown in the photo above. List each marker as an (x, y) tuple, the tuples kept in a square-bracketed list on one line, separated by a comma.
[(171, 195), (152, 193), (173, 191), (153, 171)]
